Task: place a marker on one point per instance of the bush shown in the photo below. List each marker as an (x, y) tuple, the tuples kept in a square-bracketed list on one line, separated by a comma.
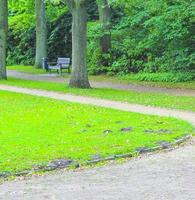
[(160, 77), (147, 37), (152, 36)]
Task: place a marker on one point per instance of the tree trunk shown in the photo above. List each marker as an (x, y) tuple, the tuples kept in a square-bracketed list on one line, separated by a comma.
[(105, 18), (41, 32), (3, 37), (79, 77)]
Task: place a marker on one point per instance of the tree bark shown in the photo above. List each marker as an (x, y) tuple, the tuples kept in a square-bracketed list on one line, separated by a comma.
[(3, 37), (105, 18), (79, 77), (41, 32)]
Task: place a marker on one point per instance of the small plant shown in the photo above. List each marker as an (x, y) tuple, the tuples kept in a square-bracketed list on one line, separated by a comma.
[(161, 77)]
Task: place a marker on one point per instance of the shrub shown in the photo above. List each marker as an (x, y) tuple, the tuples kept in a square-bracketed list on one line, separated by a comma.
[(160, 77)]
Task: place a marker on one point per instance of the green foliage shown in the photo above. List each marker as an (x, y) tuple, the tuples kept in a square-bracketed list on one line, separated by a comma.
[(59, 40), (21, 46), (147, 36), (93, 51), (21, 49), (152, 36), (161, 77), (78, 131)]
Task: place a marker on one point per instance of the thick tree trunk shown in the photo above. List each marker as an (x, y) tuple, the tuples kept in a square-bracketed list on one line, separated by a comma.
[(79, 77), (3, 37), (105, 18), (41, 32)]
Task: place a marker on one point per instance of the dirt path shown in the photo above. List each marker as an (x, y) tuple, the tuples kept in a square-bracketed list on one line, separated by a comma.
[(103, 84), (162, 176), (186, 115)]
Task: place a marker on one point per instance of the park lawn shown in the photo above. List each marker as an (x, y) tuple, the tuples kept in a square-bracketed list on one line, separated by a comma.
[(26, 69), (37, 130), (114, 79), (150, 99)]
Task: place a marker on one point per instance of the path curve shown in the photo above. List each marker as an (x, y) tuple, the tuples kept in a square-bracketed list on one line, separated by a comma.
[(163, 176), (104, 84), (185, 115)]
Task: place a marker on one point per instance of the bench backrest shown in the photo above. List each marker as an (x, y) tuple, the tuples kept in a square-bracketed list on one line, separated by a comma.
[(64, 62)]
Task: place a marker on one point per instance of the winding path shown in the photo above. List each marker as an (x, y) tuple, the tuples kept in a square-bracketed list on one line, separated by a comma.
[(186, 115), (103, 84), (163, 176)]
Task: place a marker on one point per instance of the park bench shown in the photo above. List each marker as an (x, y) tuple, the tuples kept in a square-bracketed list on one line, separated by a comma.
[(62, 63)]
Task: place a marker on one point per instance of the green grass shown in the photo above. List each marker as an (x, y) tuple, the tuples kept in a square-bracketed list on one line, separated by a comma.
[(114, 79), (152, 99), (35, 130), (26, 69)]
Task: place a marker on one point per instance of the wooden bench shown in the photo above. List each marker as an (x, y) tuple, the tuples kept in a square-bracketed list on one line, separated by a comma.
[(62, 63)]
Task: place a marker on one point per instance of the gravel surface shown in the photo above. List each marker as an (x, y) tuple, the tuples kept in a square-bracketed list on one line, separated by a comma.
[(164, 176), (103, 84)]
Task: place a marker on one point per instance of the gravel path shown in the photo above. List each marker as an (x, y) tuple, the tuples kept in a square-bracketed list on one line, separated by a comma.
[(186, 115), (103, 84), (163, 176)]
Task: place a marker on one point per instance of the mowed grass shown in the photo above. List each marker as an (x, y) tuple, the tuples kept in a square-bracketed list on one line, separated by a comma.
[(149, 99), (26, 69), (114, 79), (36, 130)]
